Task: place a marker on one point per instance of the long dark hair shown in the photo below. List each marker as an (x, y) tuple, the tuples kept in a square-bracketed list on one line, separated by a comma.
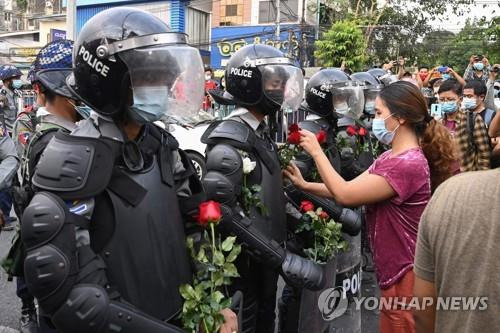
[(405, 101)]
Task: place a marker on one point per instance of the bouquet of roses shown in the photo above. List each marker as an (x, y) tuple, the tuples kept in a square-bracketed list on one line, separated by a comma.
[(360, 138), (326, 232), (214, 258), (291, 148)]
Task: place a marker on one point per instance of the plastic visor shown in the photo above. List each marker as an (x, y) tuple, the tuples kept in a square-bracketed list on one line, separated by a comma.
[(177, 69), (283, 84), (353, 96), (371, 94)]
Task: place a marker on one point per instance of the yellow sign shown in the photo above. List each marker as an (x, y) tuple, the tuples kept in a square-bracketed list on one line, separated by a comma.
[(227, 48)]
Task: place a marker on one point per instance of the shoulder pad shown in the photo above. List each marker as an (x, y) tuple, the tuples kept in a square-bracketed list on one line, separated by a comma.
[(163, 136), (74, 167), (310, 125), (232, 132)]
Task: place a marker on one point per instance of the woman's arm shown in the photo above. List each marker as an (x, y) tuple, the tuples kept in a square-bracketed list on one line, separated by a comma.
[(364, 189)]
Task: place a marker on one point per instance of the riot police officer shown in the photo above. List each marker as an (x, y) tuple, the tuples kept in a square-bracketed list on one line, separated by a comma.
[(371, 87), (259, 81), (55, 110), (105, 232), (10, 94), (386, 77)]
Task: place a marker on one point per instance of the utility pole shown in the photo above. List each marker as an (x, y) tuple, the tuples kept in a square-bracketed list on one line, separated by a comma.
[(278, 18), (71, 19)]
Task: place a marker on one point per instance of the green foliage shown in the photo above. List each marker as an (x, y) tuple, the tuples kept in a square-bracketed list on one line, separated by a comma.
[(342, 44), (22, 4), (327, 234), (203, 300)]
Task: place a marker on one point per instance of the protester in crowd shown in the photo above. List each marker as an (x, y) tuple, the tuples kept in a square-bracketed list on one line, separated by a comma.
[(396, 188), (478, 68), (445, 73), (457, 254), (210, 84), (472, 130), (491, 92), (423, 72)]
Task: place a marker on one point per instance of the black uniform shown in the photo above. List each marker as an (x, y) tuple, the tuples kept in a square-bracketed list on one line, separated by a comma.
[(105, 231), (256, 77)]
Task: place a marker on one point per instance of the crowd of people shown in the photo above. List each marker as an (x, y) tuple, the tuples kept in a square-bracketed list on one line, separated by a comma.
[(106, 199)]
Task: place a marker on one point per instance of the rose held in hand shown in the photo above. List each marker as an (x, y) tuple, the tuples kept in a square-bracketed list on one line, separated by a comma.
[(209, 212), (294, 134)]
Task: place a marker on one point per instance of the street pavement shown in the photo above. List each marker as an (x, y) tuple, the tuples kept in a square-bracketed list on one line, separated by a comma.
[(10, 306)]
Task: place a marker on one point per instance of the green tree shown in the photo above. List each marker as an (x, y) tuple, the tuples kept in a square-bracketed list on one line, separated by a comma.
[(344, 44)]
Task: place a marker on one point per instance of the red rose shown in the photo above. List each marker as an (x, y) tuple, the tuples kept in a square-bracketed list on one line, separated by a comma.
[(351, 130), (294, 138), (294, 128), (209, 213), (306, 206), (321, 136), (324, 215), (362, 131)]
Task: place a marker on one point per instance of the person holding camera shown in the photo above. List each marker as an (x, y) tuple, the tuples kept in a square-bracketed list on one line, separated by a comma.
[(478, 68), (446, 73)]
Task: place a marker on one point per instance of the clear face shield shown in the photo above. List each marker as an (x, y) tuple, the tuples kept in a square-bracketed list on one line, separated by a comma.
[(283, 85), (167, 81), (370, 94), (348, 100)]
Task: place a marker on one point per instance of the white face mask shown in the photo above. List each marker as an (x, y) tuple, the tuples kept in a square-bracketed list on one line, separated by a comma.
[(208, 77)]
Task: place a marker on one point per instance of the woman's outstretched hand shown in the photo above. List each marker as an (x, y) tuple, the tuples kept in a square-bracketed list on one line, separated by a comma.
[(309, 143), (293, 173)]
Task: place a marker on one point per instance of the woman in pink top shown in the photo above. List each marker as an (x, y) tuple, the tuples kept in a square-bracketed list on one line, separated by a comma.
[(396, 188)]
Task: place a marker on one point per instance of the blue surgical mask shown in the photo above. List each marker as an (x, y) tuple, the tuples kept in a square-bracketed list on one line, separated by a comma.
[(370, 107), (342, 109), (16, 84), (84, 111), (478, 66), (446, 76), (449, 107), (381, 132), (150, 104), (469, 103)]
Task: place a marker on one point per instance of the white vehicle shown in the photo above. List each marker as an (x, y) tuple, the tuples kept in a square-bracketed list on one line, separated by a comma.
[(188, 135)]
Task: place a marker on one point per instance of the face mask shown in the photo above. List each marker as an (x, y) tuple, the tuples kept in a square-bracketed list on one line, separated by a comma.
[(84, 111), (381, 132), (446, 76), (478, 66), (277, 96), (469, 103), (342, 108), (423, 77), (150, 104), (370, 107), (208, 77), (449, 107), (16, 84)]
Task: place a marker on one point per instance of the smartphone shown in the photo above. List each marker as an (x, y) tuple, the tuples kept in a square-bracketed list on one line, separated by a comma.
[(436, 110), (442, 69)]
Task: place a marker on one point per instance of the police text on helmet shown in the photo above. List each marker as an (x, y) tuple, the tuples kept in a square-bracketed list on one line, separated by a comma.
[(241, 72), (92, 61), (318, 93)]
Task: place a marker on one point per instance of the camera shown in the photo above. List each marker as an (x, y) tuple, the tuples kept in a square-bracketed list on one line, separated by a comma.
[(496, 69)]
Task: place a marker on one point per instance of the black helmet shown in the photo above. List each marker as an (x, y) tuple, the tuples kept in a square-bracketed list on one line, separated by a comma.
[(123, 48), (260, 75), (330, 92), (383, 76), (371, 87)]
